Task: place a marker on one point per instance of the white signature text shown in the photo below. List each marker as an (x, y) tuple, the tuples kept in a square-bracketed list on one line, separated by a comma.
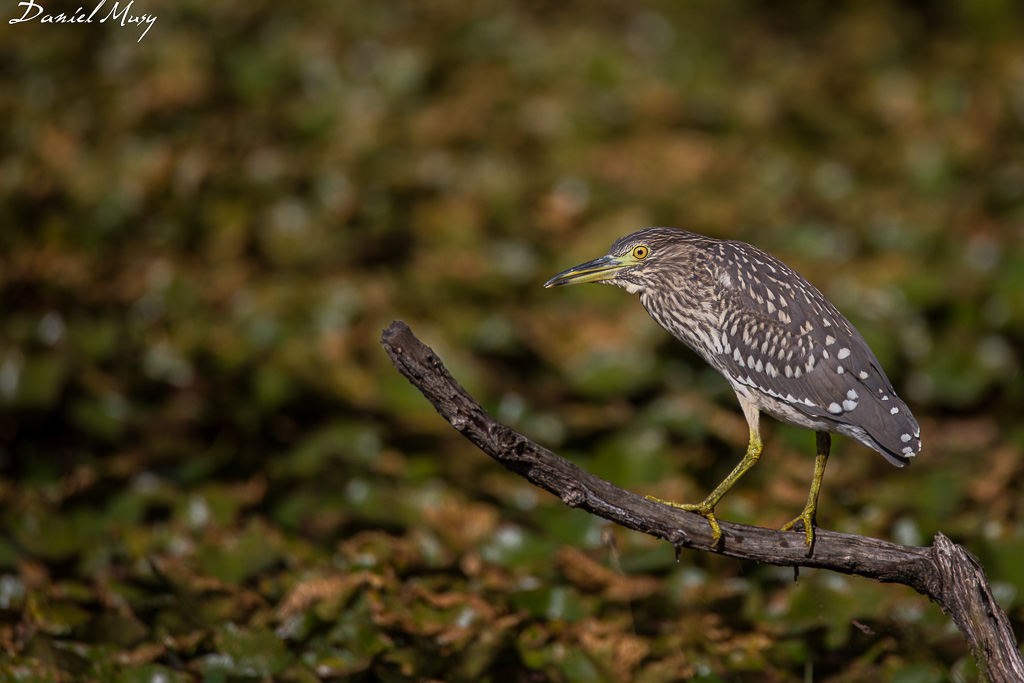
[(35, 12)]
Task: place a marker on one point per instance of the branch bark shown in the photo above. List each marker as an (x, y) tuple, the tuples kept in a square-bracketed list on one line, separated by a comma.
[(945, 571)]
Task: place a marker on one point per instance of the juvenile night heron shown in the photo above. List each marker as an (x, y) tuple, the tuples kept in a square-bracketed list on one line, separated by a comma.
[(784, 348)]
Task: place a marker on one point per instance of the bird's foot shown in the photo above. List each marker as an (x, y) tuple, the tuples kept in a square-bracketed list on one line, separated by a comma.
[(807, 518), (704, 509)]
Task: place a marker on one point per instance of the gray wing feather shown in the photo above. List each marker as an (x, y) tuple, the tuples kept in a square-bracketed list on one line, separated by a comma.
[(782, 337)]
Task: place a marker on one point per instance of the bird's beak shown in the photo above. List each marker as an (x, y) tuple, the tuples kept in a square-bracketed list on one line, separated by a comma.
[(598, 270)]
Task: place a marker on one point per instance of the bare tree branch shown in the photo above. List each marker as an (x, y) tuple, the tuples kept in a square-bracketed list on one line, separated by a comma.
[(945, 571)]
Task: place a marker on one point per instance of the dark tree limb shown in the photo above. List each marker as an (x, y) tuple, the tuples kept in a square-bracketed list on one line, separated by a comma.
[(945, 571)]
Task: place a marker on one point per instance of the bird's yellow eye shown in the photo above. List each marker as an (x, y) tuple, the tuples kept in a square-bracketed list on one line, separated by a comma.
[(640, 252)]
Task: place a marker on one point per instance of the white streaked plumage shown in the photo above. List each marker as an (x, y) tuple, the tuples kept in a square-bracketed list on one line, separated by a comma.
[(773, 335)]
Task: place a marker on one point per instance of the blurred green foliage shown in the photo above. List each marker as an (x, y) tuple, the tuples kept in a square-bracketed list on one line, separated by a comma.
[(208, 468)]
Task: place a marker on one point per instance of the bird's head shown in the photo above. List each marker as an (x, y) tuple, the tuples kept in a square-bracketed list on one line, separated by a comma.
[(635, 261)]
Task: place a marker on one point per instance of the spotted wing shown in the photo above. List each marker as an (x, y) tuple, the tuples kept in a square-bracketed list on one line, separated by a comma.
[(782, 339)]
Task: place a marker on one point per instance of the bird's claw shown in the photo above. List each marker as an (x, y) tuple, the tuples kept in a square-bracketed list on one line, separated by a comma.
[(807, 518), (704, 509)]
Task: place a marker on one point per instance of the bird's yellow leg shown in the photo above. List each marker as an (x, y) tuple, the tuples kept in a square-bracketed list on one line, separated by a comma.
[(707, 506), (811, 509)]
